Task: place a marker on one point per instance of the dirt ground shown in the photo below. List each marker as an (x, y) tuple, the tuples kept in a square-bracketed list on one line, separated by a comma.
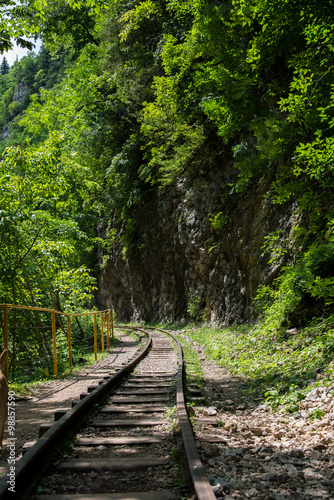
[(40, 405)]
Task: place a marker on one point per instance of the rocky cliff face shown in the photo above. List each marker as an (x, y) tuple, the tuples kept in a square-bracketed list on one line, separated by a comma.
[(181, 261)]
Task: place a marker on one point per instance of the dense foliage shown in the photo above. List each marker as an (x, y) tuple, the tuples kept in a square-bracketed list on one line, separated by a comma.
[(144, 89), (19, 83)]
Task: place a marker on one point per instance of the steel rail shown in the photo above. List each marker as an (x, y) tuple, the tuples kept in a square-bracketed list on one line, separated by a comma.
[(200, 481), (26, 467)]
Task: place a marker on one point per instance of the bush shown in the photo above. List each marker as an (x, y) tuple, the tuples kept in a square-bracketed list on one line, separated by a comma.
[(196, 305)]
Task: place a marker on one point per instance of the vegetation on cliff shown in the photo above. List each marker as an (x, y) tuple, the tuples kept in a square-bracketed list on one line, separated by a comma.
[(143, 93)]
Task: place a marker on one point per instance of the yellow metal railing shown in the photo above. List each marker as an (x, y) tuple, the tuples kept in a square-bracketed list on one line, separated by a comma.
[(106, 319)]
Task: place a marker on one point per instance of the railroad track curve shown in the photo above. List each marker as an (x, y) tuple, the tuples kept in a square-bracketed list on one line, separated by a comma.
[(120, 443)]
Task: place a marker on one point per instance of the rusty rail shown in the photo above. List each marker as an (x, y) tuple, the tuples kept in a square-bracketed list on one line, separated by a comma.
[(35, 458), (200, 481), (36, 454)]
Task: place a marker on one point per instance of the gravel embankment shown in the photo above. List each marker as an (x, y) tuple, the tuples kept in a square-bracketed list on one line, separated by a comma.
[(261, 454)]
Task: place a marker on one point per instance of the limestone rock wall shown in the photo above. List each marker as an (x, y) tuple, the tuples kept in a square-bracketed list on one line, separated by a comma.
[(178, 253)]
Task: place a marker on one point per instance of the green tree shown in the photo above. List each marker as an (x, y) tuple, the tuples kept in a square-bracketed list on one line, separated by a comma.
[(40, 238), (4, 67), (47, 189), (23, 20), (149, 89)]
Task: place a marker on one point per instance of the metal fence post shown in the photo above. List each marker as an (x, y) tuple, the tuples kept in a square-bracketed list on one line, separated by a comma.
[(95, 337), (102, 333), (54, 343), (108, 328), (69, 341)]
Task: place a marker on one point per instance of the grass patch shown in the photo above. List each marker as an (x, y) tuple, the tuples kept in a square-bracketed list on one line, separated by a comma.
[(193, 365), (281, 367)]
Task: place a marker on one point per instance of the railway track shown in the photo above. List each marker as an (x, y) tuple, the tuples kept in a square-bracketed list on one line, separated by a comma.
[(124, 439)]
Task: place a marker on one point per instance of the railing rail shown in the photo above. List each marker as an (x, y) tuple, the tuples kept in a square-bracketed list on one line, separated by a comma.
[(105, 316)]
